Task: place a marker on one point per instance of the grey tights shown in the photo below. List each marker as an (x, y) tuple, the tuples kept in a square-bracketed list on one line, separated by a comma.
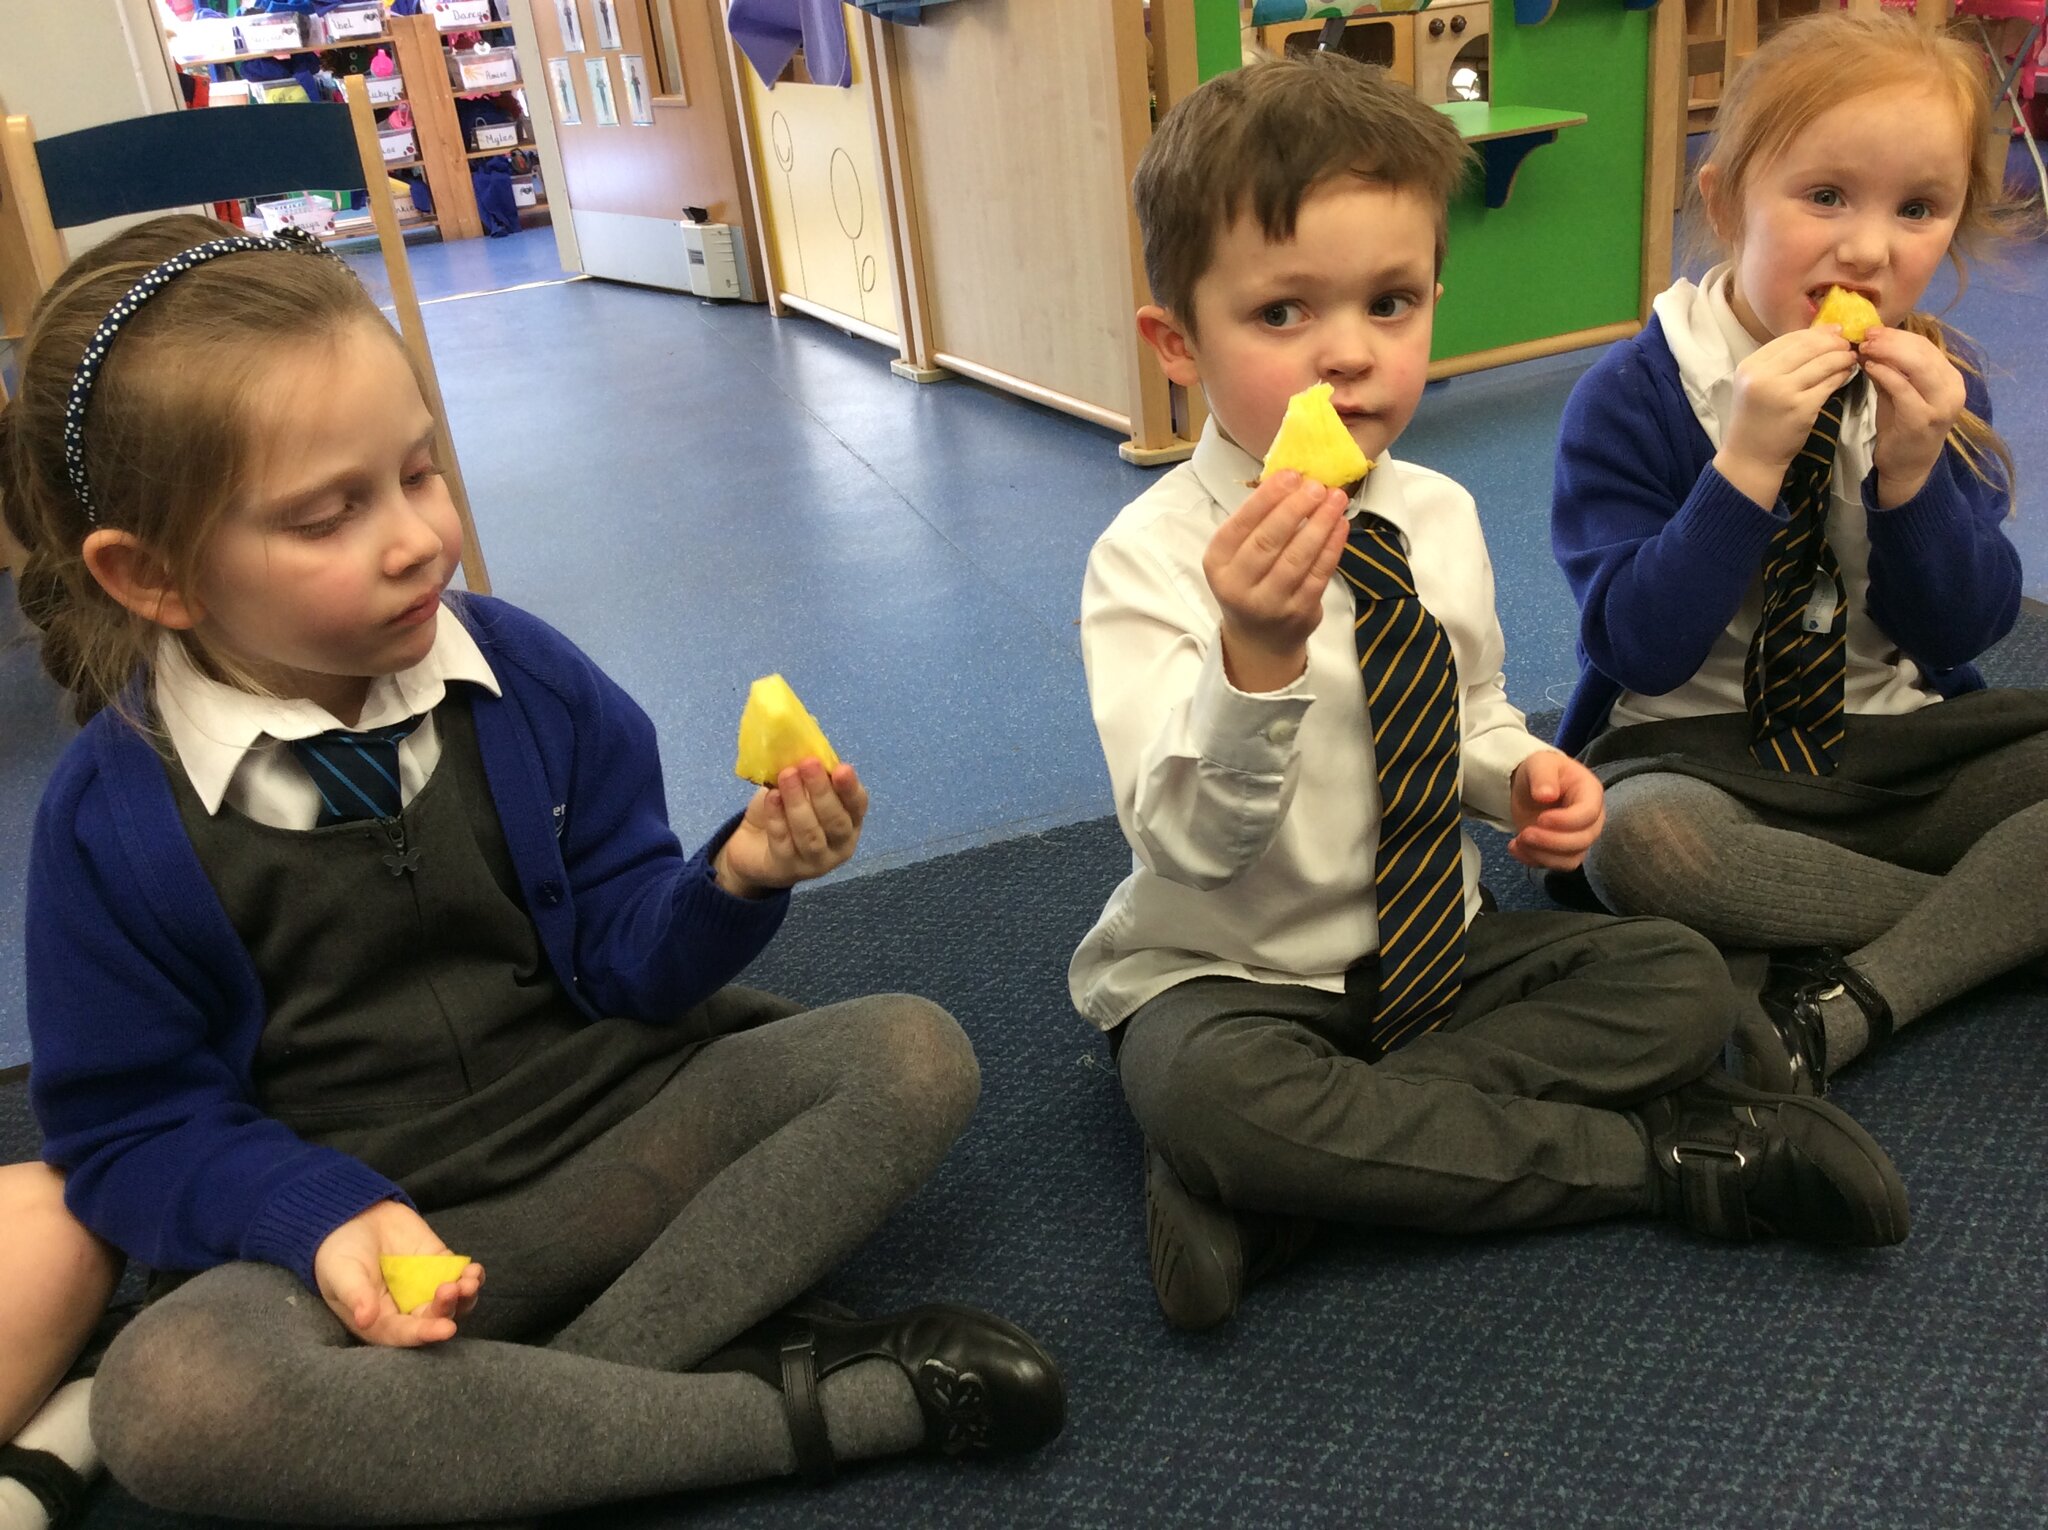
[(761, 1165), (1927, 901)]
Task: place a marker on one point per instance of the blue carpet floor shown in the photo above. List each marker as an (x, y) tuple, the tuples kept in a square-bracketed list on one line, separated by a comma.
[(1625, 1374)]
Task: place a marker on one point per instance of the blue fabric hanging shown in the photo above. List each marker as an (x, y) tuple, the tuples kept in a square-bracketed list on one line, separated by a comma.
[(491, 178), (904, 12), (480, 111), (769, 32), (496, 208)]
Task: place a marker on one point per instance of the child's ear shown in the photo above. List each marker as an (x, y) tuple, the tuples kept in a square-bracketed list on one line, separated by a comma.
[(139, 579), (1710, 200), (1160, 330)]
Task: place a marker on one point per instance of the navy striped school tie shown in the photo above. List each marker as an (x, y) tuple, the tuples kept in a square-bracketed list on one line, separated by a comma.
[(356, 772), (1797, 669), (1411, 703)]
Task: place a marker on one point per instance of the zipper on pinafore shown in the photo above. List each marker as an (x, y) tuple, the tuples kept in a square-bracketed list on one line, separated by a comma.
[(399, 857)]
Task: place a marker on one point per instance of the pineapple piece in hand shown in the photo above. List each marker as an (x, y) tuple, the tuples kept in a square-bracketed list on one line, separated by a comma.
[(412, 1279), (1313, 441), (1852, 310), (776, 733)]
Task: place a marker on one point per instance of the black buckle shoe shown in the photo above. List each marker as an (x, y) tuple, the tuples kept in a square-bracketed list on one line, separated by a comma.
[(1204, 1256), (1741, 1163), (984, 1385), (1798, 984)]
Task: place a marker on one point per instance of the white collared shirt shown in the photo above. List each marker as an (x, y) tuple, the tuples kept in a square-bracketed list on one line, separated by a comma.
[(234, 746), (1709, 342), (1254, 817)]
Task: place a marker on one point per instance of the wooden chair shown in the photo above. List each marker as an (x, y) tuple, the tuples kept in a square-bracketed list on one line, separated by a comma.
[(176, 160)]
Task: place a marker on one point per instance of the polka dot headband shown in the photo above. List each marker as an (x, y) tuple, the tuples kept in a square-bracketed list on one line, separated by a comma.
[(102, 340)]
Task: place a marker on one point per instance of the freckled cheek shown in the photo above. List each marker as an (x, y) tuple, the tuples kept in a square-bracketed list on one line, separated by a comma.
[(1774, 277), (1267, 369), (1766, 257), (335, 604), (1406, 380), (451, 539), (329, 627), (1259, 390), (1916, 269)]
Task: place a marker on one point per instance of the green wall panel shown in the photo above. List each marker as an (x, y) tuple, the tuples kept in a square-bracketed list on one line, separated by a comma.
[(1218, 43), (1566, 252)]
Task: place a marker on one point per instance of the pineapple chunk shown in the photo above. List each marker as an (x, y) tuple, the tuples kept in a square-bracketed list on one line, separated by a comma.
[(412, 1279), (1313, 441), (1852, 310), (776, 733)]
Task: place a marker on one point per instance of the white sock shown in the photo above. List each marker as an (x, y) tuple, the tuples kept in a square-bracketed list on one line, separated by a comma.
[(60, 1428)]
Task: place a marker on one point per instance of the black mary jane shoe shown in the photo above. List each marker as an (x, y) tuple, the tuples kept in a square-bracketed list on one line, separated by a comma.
[(984, 1385), (1798, 984), (52, 1481), (1792, 1005)]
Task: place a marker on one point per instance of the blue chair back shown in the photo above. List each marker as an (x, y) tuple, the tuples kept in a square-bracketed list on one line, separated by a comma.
[(186, 158), (177, 159)]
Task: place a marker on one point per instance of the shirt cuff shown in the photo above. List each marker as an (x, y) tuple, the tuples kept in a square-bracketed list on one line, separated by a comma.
[(1250, 733), (1491, 761)]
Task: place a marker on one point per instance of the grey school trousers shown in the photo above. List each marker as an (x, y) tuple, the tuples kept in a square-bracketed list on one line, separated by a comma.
[(1512, 1114)]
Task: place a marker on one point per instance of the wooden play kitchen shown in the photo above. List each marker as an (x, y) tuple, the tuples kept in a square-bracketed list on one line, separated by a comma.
[(966, 202)]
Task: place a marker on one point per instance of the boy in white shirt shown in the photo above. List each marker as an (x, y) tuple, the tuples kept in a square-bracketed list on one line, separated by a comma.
[(1312, 1017)]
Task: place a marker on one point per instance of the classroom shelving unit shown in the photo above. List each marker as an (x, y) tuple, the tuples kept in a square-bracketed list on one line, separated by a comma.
[(441, 155)]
